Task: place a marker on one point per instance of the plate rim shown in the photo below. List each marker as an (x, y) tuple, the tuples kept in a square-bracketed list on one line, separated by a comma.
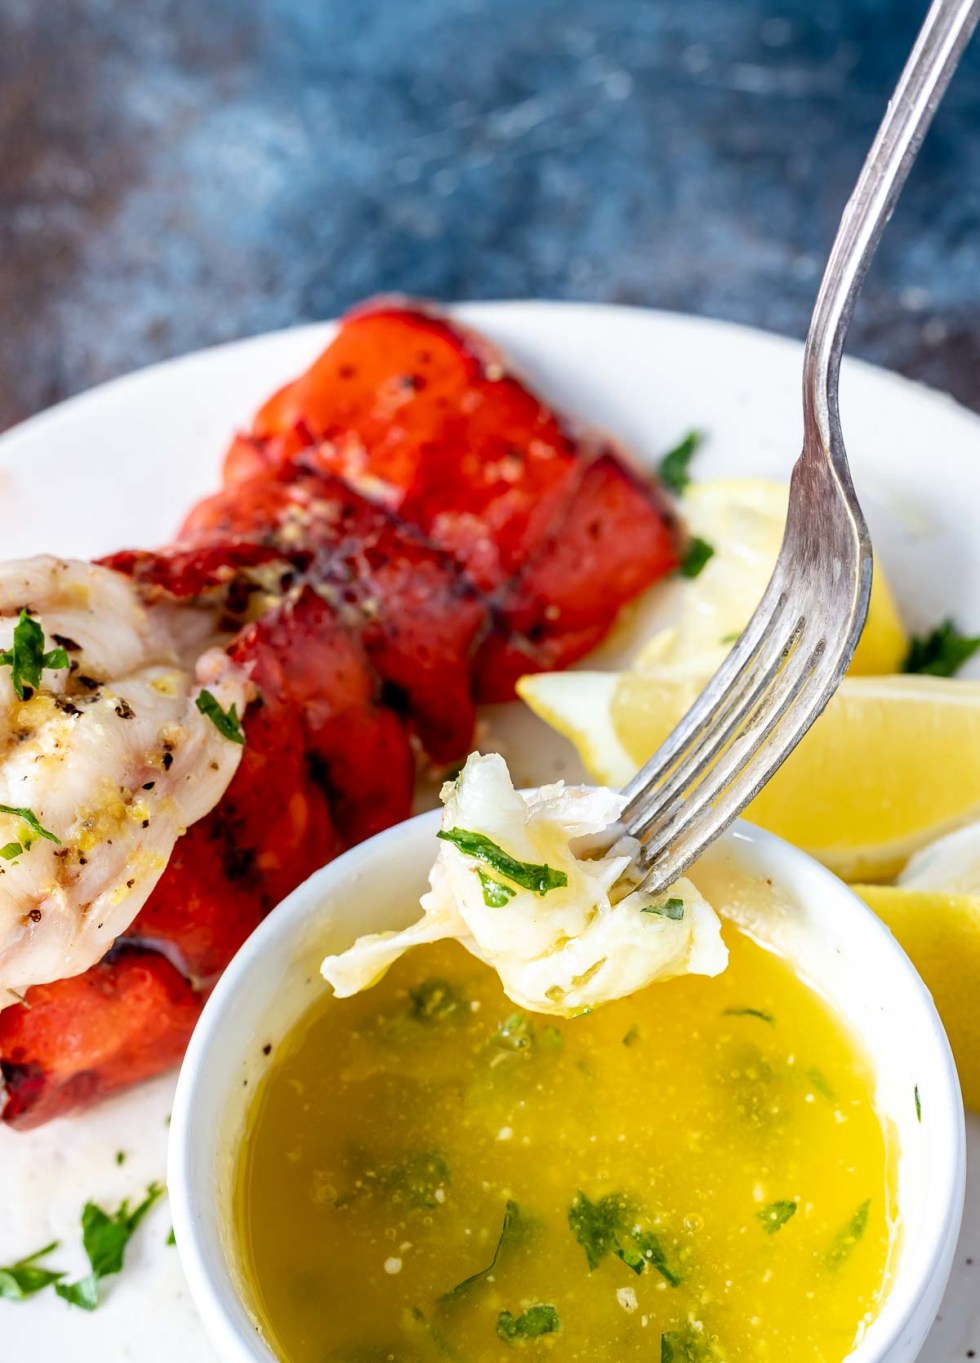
[(470, 311)]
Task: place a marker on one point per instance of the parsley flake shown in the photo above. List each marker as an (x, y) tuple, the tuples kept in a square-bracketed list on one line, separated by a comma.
[(775, 1216), (21, 1280), (696, 555), (511, 1217), (641, 1248), (596, 1225), (496, 895), (418, 1181), (30, 818), (105, 1238), (84, 1293), (539, 879), (672, 908), (749, 1013), (530, 1324), (818, 1081), (515, 1033), (685, 1346), (434, 1001), (608, 1227), (226, 722), (941, 652), (918, 1100), (846, 1238), (27, 659), (673, 467)]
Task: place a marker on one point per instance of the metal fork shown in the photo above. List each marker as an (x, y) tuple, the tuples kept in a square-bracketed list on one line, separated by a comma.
[(791, 656)]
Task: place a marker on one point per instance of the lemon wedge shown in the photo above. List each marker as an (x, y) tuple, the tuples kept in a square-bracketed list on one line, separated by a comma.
[(941, 934), (743, 519), (891, 764), (869, 787)]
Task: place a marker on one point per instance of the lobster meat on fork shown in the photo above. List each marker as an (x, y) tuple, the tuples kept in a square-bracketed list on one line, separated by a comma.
[(406, 530)]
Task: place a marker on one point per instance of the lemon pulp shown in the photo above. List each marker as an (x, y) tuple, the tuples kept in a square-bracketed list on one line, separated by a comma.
[(941, 934)]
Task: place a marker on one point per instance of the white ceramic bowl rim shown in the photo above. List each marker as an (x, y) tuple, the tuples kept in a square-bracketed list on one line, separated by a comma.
[(905, 1315)]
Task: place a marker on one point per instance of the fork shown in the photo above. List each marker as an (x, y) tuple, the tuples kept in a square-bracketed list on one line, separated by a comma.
[(790, 658)]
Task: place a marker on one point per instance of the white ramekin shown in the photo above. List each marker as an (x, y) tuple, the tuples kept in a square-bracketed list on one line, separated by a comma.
[(835, 941)]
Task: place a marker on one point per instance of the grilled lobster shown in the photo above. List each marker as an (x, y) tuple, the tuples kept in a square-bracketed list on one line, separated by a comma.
[(404, 531)]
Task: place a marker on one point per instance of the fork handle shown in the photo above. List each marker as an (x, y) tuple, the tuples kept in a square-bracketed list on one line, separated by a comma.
[(945, 33)]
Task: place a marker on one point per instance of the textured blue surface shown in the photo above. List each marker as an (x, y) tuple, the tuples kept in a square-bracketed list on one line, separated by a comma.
[(178, 172)]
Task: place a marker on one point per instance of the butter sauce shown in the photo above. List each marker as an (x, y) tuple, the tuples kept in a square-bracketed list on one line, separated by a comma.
[(693, 1174)]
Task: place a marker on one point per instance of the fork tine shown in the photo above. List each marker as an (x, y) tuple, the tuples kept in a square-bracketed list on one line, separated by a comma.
[(680, 813), (748, 764), (743, 701), (714, 702)]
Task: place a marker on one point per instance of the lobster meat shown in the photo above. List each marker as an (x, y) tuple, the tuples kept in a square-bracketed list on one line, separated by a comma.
[(404, 531)]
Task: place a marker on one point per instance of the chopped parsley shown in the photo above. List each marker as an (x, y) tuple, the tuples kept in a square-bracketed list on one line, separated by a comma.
[(673, 467), (749, 1013), (632, 1036), (642, 1248), (696, 555), (918, 1100), (418, 1181), (775, 1216), (818, 1081), (496, 895), (609, 1227), (672, 908), (846, 1238), (511, 1217), (227, 722), (21, 1280), (105, 1237), (27, 659), (515, 1033), (941, 652), (551, 1038), (434, 1001), (429, 1328), (84, 1293), (30, 818), (596, 1225), (685, 1346), (539, 879), (530, 1324)]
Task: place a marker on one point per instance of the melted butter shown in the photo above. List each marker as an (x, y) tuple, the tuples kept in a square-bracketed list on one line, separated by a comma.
[(32, 714), (139, 811), (99, 821), (167, 683), (393, 1128)]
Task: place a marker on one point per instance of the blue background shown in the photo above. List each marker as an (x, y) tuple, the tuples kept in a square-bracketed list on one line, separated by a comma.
[(179, 172)]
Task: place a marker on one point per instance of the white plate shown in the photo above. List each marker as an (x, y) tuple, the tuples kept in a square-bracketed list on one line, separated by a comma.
[(119, 466)]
